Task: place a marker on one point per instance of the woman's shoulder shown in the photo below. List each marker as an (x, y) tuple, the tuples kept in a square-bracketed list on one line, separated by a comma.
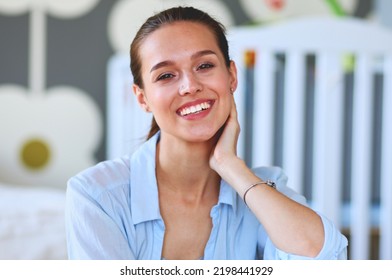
[(103, 176)]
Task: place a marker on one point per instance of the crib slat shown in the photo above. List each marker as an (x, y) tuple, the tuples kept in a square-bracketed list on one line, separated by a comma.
[(116, 107), (386, 164), (361, 159), (293, 123), (263, 126), (328, 122)]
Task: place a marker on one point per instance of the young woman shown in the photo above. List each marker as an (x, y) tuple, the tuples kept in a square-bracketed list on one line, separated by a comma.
[(185, 194)]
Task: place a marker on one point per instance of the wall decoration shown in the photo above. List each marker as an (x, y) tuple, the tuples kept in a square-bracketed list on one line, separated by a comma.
[(59, 8), (271, 10), (47, 135)]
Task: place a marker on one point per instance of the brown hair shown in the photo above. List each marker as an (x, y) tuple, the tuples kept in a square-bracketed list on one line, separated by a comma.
[(167, 17)]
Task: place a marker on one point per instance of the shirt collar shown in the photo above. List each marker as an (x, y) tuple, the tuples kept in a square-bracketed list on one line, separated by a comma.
[(227, 195), (144, 187)]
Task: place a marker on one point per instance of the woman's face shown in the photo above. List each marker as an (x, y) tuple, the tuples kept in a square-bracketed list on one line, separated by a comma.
[(187, 85)]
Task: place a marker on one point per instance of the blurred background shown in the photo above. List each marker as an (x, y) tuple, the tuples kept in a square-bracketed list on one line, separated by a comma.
[(54, 59)]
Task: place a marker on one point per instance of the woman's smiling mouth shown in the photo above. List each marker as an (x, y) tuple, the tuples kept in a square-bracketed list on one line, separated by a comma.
[(194, 109)]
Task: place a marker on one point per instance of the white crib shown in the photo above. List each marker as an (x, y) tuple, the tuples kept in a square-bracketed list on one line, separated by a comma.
[(318, 102)]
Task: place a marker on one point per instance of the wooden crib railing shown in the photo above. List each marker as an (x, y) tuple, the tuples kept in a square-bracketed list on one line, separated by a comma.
[(321, 90)]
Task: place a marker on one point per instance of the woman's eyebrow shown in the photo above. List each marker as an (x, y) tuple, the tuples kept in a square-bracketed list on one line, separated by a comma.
[(161, 64), (202, 53)]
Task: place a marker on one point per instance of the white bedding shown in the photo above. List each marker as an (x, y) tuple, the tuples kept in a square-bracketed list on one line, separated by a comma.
[(32, 223)]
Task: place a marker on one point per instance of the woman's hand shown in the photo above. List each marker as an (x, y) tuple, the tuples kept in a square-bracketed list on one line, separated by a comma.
[(225, 149)]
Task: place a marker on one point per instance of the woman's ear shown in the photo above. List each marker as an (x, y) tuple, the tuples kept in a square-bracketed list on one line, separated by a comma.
[(233, 76), (141, 98)]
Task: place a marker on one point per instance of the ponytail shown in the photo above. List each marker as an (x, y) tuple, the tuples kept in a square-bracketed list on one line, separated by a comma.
[(153, 129)]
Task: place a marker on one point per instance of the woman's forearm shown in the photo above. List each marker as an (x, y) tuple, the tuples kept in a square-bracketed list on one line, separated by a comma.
[(292, 227)]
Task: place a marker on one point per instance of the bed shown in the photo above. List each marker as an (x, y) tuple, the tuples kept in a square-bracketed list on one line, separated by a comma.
[(32, 223)]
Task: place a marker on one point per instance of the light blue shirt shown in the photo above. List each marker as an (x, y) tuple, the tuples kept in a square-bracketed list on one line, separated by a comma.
[(112, 212)]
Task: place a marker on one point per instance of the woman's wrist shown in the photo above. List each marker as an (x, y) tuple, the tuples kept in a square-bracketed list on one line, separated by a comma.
[(237, 174)]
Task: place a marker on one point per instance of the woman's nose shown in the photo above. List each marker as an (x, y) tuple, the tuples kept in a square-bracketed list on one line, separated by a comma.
[(189, 84)]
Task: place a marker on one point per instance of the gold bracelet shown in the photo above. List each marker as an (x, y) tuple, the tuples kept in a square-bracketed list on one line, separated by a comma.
[(268, 183)]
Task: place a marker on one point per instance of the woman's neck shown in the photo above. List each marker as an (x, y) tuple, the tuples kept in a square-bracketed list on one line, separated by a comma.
[(183, 168)]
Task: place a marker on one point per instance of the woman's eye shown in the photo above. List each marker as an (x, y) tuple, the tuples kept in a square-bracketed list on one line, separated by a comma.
[(205, 66), (164, 76)]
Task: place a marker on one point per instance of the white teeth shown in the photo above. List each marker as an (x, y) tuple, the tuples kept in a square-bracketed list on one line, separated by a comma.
[(195, 109)]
